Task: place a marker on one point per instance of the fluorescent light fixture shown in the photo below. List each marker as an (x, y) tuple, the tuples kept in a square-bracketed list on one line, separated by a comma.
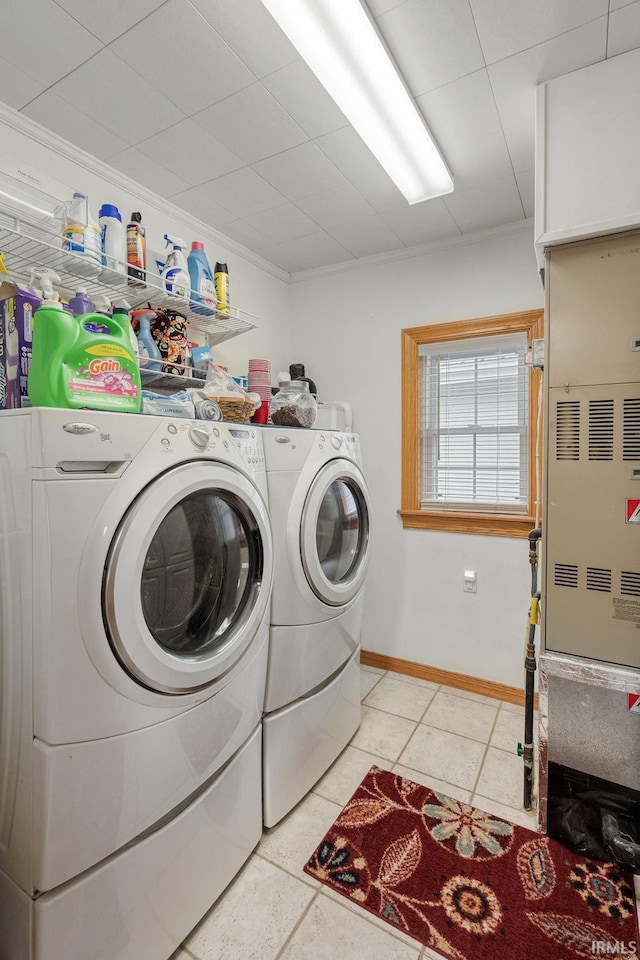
[(339, 42)]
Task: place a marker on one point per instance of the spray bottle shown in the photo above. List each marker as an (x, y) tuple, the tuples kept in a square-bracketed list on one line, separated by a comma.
[(176, 273), (120, 308), (149, 356), (41, 281)]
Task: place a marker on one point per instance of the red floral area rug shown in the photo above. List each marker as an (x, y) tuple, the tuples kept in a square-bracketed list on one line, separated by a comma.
[(469, 885)]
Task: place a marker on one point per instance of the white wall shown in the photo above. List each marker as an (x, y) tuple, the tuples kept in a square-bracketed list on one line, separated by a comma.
[(262, 291), (346, 328)]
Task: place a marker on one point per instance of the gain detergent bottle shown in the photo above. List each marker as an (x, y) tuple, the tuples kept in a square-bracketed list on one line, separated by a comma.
[(83, 362)]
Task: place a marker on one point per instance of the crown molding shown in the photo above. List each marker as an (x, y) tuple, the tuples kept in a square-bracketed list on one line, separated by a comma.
[(424, 249), (47, 138)]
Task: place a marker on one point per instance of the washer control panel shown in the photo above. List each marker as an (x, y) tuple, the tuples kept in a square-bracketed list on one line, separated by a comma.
[(249, 442)]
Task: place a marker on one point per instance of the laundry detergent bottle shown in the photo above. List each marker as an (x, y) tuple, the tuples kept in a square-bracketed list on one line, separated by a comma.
[(202, 286), (84, 362)]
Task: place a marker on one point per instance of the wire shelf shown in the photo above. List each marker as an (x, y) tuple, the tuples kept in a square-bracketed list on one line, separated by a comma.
[(25, 245)]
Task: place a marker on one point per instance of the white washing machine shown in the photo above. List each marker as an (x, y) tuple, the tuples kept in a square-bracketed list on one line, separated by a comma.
[(136, 568), (320, 517)]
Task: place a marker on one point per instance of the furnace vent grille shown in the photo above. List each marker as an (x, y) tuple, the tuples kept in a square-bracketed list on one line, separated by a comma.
[(631, 430), (568, 430), (599, 579), (630, 583), (600, 429), (566, 575)]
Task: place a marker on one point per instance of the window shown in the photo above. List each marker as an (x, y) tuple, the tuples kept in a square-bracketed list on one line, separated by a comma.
[(470, 406)]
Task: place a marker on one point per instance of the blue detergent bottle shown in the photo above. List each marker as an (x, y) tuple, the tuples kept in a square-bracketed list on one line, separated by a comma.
[(149, 356), (202, 286)]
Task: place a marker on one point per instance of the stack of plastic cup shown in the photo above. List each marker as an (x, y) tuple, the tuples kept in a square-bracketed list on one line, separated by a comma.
[(260, 383)]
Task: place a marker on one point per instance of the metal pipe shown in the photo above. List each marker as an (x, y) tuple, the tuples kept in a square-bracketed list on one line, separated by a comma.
[(530, 668)]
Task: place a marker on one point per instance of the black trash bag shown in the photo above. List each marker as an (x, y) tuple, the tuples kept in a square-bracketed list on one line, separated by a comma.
[(594, 817)]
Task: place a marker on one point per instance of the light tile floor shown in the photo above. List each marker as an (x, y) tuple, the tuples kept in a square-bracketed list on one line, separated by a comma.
[(460, 743)]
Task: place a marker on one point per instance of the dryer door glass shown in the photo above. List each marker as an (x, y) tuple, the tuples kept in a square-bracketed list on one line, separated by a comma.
[(341, 530), (334, 533), (201, 572)]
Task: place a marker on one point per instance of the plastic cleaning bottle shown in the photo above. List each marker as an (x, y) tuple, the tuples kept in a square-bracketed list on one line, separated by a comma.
[(221, 282), (81, 303), (149, 355), (81, 233), (202, 286), (112, 237), (176, 273), (121, 307), (82, 362), (102, 304), (41, 281), (136, 248)]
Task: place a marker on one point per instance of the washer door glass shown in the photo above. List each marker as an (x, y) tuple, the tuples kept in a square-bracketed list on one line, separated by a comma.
[(334, 534), (187, 579), (199, 571)]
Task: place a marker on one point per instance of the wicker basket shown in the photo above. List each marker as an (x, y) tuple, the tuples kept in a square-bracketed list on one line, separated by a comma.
[(236, 411)]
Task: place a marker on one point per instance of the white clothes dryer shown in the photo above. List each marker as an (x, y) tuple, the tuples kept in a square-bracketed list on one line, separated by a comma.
[(320, 515), (135, 568)]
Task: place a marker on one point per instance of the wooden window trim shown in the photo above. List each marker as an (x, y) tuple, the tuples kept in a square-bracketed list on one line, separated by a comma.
[(489, 523)]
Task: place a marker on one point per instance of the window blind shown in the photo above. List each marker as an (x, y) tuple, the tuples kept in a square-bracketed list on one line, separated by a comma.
[(475, 438)]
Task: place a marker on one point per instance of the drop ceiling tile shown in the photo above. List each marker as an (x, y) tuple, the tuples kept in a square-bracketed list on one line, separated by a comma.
[(624, 30), (616, 4), (251, 124), (242, 193), (506, 27), (514, 80), (43, 41), (422, 222), (355, 161), (107, 88), (181, 55), (527, 185), (485, 206), (239, 230), (281, 224), (147, 172), (203, 204), (76, 127), (106, 21), (478, 161), (332, 208), (299, 172), (316, 250), (298, 90), (250, 30), (462, 110), (367, 236), (521, 144), (378, 7), (432, 42), (187, 150), (16, 87)]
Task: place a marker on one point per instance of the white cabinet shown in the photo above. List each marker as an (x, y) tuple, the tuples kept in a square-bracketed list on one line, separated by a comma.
[(588, 152)]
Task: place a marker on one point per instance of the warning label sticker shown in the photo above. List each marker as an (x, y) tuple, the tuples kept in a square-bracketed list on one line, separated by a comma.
[(633, 510), (633, 702), (624, 609)]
